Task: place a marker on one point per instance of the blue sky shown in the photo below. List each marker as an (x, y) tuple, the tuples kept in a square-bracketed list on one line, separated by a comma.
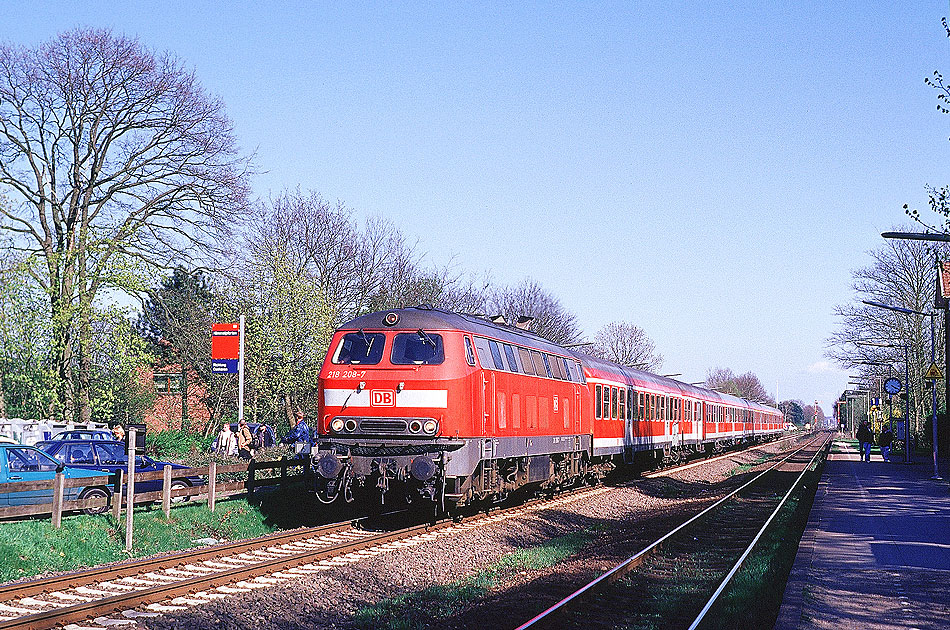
[(710, 171)]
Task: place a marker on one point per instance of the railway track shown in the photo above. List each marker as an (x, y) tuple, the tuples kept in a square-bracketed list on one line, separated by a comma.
[(118, 594), (675, 581)]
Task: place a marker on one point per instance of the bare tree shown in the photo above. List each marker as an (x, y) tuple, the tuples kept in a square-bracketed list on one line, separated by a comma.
[(549, 317), (116, 159), (746, 385), (902, 274), (626, 344)]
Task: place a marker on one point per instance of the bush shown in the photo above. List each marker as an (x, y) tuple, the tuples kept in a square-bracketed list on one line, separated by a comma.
[(176, 444)]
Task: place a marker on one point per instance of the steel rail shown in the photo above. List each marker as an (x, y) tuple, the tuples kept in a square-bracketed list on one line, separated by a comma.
[(162, 592), (16, 590), (725, 582), (638, 558)]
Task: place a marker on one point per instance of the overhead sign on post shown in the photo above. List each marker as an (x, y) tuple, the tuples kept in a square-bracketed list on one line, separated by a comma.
[(225, 348)]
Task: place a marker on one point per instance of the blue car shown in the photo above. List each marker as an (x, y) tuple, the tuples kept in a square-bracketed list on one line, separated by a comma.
[(108, 456), (84, 434), (26, 463)]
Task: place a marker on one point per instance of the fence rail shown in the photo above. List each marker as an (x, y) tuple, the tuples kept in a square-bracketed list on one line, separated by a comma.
[(212, 490)]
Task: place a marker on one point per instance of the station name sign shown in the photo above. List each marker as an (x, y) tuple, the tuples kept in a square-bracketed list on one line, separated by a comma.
[(225, 348)]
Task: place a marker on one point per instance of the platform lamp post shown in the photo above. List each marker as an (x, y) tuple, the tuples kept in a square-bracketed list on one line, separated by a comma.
[(933, 383)]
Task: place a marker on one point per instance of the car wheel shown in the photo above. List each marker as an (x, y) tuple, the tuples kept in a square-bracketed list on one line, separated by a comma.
[(180, 483), (96, 493)]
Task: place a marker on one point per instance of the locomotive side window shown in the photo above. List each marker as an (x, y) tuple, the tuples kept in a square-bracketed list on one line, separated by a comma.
[(539, 364), (484, 354), (512, 362), (547, 366), (360, 348), (469, 353), (567, 370), (526, 362), (419, 348), (598, 390), (496, 354)]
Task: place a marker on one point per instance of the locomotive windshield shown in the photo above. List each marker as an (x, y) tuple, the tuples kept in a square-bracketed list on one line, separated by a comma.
[(360, 348), (417, 348)]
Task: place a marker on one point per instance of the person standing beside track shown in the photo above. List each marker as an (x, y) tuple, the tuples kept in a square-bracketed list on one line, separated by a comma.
[(299, 436), (866, 439)]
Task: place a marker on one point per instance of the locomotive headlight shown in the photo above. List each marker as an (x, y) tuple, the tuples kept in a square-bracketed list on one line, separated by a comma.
[(337, 425), (350, 425), (430, 427), (415, 426)]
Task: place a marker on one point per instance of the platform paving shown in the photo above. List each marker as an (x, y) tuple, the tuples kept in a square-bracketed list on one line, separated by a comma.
[(876, 552)]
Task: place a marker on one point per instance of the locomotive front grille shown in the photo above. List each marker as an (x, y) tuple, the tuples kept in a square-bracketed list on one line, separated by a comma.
[(386, 426)]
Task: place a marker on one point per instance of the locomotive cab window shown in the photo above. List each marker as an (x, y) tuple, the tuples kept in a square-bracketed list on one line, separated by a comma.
[(510, 355), (419, 348), (469, 353), (360, 348)]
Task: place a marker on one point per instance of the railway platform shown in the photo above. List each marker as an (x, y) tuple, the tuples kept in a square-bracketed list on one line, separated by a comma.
[(876, 551)]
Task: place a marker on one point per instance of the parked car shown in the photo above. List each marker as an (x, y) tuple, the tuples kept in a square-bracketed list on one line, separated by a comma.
[(84, 434), (7, 440), (27, 463), (109, 456)]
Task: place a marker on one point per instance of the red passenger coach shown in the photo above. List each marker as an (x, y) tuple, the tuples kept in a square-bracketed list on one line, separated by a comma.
[(456, 409)]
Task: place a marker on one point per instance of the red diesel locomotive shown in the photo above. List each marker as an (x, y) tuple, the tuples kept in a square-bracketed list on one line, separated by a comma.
[(456, 409)]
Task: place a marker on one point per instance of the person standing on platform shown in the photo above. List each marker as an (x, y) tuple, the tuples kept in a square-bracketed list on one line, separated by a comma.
[(866, 439), (884, 441)]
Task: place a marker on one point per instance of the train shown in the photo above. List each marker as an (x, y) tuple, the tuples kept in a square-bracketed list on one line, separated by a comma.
[(431, 405)]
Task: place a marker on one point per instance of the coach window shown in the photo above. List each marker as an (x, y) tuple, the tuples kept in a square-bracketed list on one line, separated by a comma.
[(634, 398), (496, 354), (510, 355), (360, 348), (613, 403), (648, 414), (469, 352), (623, 403), (597, 401), (526, 361), (606, 402)]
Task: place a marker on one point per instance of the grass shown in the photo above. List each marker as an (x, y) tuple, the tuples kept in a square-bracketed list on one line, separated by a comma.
[(429, 607), (33, 547)]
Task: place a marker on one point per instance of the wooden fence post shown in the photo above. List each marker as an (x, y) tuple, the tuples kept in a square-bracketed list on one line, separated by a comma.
[(130, 493), (167, 491), (117, 496), (58, 500), (212, 478), (251, 466)]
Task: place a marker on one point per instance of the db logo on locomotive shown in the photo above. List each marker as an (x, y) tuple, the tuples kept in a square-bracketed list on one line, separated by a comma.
[(382, 398)]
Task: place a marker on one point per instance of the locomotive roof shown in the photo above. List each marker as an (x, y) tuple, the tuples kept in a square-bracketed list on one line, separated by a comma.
[(430, 318)]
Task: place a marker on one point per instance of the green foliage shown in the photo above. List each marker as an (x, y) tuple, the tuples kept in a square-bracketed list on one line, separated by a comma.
[(118, 394), (28, 384), (177, 444)]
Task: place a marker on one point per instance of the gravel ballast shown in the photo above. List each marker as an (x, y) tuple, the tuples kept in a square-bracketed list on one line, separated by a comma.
[(620, 521)]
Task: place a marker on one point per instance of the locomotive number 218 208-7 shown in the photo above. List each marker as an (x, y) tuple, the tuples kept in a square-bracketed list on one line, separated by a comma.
[(346, 374)]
